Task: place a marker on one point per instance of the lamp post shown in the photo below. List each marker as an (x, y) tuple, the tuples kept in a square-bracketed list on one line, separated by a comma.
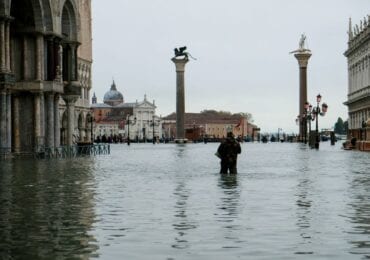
[(317, 111), (91, 128), (309, 117)]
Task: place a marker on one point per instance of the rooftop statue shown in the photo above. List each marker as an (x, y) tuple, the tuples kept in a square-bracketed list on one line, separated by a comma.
[(181, 52), (301, 47)]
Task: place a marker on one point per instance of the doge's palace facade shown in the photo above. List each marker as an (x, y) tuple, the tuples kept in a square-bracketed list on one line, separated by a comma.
[(358, 58), (45, 73)]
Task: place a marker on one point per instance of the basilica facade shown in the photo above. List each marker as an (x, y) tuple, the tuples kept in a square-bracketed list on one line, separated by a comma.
[(45, 68), (116, 120)]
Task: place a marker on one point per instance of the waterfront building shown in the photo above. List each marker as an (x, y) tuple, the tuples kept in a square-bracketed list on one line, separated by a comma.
[(116, 119), (358, 58), (45, 73), (208, 125)]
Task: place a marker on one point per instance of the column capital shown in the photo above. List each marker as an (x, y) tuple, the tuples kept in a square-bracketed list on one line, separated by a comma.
[(180, 64), (303, 58), (70, 99)]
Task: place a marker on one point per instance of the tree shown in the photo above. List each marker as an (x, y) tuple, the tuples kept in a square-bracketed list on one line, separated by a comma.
[(339, 127)]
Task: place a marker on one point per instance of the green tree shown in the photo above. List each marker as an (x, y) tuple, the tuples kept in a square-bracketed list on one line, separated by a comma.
[(339, 127)]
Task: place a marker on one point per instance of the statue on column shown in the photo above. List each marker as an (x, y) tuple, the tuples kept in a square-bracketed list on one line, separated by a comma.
[(301, 47), (181, 52)]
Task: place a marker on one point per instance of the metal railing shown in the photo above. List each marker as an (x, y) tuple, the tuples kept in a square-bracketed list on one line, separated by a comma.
[(44, 152)]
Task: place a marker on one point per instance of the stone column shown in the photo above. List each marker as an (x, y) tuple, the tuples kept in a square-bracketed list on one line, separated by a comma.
[(2, 46), (50, 120), (39, 57), (25, 58), (16, 125), (9, 119), (37, 117), (50, 60), (180, 99), (3, 123), (7, 46), (70, 102), (56, 121), (302, 58)]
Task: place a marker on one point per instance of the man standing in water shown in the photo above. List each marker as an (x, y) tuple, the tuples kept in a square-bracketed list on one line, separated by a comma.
[(228, 152)]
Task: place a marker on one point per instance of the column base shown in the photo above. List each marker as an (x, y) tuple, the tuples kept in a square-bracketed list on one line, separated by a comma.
[(181, 141)]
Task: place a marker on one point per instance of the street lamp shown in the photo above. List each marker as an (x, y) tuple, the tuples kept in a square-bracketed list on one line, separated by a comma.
[(128, 128), (317, 111), (309, 117)]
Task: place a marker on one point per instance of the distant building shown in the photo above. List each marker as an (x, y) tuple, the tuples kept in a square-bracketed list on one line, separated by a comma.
[(209, 125), (116, 120), (358, 58)]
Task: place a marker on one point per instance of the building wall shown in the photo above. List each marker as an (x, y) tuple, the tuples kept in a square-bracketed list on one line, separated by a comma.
[(358, 59), (45, 69)]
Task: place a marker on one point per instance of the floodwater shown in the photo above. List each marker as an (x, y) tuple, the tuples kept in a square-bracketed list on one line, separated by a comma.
[(168, 201)]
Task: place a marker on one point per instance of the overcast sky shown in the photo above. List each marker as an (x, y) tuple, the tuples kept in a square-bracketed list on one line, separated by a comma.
[(242, 49)]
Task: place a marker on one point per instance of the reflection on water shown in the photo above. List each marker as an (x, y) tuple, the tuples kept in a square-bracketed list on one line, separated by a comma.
[(44, 211), (229, 208), (359, 208), (182, 224), (304, 203)]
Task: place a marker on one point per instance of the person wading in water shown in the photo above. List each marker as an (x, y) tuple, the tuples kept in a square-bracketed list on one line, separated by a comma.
[(228, 152)]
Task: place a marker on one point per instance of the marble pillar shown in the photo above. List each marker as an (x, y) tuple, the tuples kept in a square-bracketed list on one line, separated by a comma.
[(16, 125), (50, 120), (302, 58), (2, 46), (3, 122), (70, 102), (7, 46), (9, 119), (39, 57), (37, 119), (56, 121), (180, 99)]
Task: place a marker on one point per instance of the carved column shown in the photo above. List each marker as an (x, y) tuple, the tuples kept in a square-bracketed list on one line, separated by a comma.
[(37, 118), (25, 59), (70, 102), (50, 60), (180, 99), (3, 122), (50, 120), (7, 46), (2, 45), (56, 121), (73, 64), (39, 57), (16, 125), (9, 119)]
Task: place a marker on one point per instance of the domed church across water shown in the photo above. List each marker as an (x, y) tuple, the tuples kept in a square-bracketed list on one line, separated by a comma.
[(116, 120)]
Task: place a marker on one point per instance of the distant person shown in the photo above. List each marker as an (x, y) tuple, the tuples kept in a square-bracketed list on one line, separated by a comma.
[(228, 152)]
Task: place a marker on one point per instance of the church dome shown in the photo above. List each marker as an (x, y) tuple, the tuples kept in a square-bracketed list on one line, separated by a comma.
[(113, 97)]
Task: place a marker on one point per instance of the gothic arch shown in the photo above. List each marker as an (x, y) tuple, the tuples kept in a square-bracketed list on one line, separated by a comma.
[(70, 21), (28, 13)]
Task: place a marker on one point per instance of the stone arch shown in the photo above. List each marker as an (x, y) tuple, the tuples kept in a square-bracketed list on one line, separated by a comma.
[(48, 19), (69, 21), (28, 13)]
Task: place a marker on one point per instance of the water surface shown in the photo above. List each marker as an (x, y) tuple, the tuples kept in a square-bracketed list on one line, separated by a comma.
[(168, 201)]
